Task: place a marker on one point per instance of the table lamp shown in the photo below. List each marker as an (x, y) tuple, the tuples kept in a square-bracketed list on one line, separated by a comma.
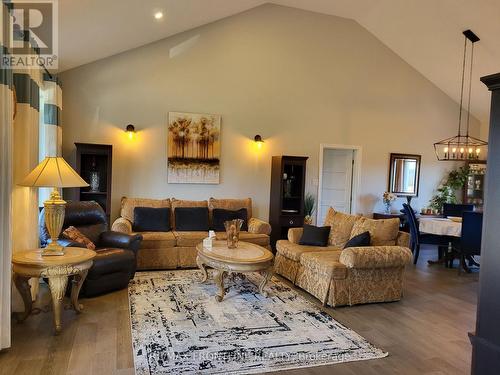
[(54, 172)]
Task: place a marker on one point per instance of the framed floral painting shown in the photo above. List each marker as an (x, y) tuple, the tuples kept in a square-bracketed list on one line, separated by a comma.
[(193, 148)]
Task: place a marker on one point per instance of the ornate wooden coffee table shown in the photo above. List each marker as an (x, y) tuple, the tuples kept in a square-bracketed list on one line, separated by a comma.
[(247, 257)]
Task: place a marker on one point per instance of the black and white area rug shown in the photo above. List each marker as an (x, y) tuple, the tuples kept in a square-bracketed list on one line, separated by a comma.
[(179, 328)]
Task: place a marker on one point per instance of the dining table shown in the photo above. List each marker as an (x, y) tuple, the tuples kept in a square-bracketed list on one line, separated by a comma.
[(442, 226)]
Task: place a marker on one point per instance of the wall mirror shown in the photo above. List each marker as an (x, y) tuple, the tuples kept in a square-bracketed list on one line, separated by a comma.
[(404, 173)]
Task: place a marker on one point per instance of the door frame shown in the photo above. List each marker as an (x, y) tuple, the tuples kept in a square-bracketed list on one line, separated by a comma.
[(356, 173)]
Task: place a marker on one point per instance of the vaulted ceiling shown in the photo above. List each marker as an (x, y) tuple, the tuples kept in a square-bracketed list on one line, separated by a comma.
[(425, 33)]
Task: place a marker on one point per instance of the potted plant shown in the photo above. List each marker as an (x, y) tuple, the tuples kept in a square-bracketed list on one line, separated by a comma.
[(309, 207), (446, 192)]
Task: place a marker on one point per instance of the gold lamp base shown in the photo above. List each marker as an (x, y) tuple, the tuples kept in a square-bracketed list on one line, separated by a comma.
[(54, 220), (53, 249)]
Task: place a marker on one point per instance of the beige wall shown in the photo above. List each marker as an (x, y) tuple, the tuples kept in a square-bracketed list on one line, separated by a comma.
[(484, 130), (297, 78)]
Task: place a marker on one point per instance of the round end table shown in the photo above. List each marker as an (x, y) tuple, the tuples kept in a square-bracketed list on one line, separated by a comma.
[(75, 262)]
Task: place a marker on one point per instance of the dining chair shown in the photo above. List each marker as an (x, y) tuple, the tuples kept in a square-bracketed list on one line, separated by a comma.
[(452, 209), (417, 238), (469, 244)]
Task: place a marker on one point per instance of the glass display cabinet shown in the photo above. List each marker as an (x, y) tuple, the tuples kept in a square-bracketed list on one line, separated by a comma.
[(94, 165), (286, 204), (474, 186)]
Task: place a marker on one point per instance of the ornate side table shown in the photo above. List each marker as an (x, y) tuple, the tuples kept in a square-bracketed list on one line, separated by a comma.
[(27, 264)]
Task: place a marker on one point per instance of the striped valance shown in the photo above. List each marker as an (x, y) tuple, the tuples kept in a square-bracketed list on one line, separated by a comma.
[(50, 122), (27, 90), (52, 100), (51, 114), (52, 78), (6, 77)]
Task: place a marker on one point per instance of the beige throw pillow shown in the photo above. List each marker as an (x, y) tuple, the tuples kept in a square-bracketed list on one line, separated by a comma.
[(382, 232), (341, 225)]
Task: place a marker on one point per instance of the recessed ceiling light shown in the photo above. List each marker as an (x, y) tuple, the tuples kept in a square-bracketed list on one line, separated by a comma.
[(158, 15)]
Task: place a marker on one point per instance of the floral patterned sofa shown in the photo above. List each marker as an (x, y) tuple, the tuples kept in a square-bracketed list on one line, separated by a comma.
[(350, 276), (177, 249)]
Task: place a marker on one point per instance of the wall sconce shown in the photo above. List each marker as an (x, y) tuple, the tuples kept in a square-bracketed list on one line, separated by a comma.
[(130, 130), (258, 141)]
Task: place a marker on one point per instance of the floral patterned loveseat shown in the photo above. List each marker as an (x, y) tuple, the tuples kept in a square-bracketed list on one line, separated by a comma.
[(355, 275)]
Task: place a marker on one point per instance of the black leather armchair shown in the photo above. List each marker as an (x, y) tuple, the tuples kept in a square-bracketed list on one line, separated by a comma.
[(115, 263)]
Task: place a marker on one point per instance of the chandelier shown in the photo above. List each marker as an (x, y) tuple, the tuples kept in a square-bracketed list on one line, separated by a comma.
[(463, 147)]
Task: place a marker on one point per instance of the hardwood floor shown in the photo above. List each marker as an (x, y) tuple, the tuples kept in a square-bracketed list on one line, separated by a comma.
[(425, 333)]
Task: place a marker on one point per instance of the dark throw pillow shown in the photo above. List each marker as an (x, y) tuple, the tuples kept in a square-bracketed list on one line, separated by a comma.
[(219, 216), (314, 236), (148, 219), (361, 240), (191, 218)]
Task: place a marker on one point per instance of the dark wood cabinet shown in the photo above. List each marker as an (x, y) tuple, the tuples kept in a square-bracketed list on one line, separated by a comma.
[(94, 165), (286, 204)]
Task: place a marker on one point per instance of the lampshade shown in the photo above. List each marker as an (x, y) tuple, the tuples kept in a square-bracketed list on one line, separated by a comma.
[(53, 172)]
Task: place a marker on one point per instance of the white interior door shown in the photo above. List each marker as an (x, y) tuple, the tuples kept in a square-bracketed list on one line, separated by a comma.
[(336, 182)]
